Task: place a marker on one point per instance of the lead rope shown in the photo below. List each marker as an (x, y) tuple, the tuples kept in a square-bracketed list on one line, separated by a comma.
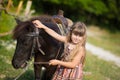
[(48, 62), (58, 52), (21, 73), (24, 70)]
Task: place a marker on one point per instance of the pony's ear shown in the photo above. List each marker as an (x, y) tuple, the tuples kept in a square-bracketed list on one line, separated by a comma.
[(18, 21)]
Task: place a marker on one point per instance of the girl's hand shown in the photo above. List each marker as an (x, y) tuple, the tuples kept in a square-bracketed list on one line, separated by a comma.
[(38, 24), (54, 62)]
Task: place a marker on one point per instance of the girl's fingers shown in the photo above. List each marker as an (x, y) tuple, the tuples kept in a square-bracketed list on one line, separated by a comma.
[(35, 24), (49, 63)]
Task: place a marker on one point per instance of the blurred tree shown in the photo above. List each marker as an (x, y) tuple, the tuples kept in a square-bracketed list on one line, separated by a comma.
[(19, 7), (102, 12), (10, 3)]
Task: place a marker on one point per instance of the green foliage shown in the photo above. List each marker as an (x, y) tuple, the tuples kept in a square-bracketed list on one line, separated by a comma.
[(7, 22), (113, 9), (100, 12), (55, 1), (94, 6)]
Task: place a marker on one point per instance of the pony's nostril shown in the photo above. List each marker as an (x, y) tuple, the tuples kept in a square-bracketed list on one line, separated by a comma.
[(16, 65)]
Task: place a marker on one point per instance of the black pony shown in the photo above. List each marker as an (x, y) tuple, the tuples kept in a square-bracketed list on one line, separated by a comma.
[(32, 41)]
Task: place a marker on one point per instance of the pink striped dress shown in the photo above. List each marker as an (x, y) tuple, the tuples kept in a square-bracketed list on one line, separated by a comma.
[(63, 73)]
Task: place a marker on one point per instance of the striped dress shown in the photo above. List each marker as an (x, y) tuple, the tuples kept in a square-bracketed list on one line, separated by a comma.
[(63, 73)]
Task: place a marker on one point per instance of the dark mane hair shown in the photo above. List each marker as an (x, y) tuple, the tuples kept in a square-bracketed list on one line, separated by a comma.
[(28, 26)]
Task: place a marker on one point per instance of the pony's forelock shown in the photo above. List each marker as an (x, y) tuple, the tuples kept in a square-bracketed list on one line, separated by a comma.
[(21, 28)]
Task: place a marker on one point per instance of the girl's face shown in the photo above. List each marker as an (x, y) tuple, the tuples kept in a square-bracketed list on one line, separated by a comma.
[(76, 38)]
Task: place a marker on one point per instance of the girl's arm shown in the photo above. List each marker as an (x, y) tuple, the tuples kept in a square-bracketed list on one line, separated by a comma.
[(71, 64), (51, 32)]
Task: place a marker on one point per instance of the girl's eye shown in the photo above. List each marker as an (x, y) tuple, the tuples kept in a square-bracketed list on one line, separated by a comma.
[(80, 35)]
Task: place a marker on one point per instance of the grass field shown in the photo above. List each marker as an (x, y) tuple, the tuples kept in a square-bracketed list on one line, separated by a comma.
[(95, 68), (7, 72), (104, 39), (100, 69)]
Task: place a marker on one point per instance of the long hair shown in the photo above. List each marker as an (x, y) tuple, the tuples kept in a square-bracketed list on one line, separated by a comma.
[(78, 28)]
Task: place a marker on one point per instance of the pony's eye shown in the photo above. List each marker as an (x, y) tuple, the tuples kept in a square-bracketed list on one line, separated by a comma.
[(27, 41)]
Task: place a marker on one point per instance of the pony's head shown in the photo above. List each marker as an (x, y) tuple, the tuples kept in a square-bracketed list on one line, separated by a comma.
[(25, 33), (24, 44)]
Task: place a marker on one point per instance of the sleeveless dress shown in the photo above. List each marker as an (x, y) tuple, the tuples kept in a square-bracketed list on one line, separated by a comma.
[(63, 73)]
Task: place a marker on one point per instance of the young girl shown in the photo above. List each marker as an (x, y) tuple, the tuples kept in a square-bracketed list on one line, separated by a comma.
[(71, 65)]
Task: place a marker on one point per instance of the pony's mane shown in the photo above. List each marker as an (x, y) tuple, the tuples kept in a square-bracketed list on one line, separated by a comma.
[(27, 26)]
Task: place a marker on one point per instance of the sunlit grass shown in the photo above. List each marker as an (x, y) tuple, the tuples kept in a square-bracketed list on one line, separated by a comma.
[(106, 40), (7, 72), (100, 69)]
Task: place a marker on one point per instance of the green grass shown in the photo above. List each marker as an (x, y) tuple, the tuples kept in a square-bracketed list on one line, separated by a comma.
[(7, 72), (6, 38), (100, 69), (106, 40)]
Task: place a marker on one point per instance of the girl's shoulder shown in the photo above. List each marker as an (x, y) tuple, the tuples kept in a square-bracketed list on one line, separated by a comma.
[(81, 50), (66, 44)]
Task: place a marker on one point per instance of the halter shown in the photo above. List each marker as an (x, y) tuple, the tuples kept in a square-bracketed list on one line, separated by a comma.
[(36, 40), (35, 36)]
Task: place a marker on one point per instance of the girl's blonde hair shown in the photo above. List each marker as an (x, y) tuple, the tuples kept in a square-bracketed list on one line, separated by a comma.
[(78, 28)]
